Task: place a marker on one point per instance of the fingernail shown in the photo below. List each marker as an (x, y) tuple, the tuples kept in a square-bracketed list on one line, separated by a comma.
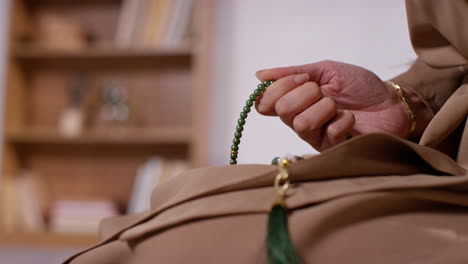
[(301, 78), (257, 74)]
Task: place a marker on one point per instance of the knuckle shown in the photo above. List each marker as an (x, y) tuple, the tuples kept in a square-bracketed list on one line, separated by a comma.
[(300, 125), (348, 118), (282, 106), (329, 103), (262, 108), (334, 90), (333, 132), (314, 89), (351, 116)]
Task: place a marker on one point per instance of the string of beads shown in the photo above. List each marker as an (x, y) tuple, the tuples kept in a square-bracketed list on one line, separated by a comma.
[(241, 121)]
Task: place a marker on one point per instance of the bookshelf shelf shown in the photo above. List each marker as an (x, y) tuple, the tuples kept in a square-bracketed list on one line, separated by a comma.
[(101, 54), (151, 136), (47, 240), (121, 57), (69, 2)]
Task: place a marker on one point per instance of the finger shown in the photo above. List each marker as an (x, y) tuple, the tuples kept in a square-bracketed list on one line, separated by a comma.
[(308, 123), (265, 104), (276, 73), (319, 72), (296, 101), (341, 124)]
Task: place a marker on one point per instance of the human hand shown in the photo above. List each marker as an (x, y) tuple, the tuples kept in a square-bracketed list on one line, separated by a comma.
[(324, 101)]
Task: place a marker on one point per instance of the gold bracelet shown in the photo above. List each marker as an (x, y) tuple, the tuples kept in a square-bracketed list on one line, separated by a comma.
[(406, 103)]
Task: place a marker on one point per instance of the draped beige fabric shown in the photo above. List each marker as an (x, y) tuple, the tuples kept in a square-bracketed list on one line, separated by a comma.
[(373, 199)]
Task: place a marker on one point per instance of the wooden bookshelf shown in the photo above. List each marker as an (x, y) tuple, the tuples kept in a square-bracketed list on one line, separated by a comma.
[(168, 93)]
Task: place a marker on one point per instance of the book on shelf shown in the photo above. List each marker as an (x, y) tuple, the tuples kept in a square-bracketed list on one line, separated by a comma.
[(58, 32), (25, 201), (8, 216), (178, 27), (153, 23), (153, 172), (127, 22), (80, 216), (172, 168), (146, 179), (24, 204), (25, 209), (30, 203)]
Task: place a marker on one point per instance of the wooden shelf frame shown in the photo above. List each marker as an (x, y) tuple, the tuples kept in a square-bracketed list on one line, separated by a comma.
[(21, 139)]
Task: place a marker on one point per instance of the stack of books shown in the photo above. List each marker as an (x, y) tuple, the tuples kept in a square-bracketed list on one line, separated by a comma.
[(153, 172), (23, 204), (80, 217), (29, 207), (30, 202), (154, 23)]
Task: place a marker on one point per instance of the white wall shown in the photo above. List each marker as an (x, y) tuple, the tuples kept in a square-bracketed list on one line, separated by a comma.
[(255, 34)]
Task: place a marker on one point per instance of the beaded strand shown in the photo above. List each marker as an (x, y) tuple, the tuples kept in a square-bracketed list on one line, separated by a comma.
[(241, 121)]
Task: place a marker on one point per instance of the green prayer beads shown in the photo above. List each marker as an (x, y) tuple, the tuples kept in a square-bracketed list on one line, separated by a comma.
[(241, 121)]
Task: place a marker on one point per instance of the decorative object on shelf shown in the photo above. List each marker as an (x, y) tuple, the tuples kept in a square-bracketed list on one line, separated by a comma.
[(57, 32), (71, 122), (114, 111), (72, 118)]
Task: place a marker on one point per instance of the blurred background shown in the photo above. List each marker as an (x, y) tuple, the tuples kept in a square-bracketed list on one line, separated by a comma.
[(101, 100)]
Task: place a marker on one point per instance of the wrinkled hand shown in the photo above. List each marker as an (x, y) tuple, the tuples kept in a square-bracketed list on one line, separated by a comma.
[(323, 101)]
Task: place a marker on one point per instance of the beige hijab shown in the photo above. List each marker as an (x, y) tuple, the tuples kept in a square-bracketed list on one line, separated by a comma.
[(439, 34)]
